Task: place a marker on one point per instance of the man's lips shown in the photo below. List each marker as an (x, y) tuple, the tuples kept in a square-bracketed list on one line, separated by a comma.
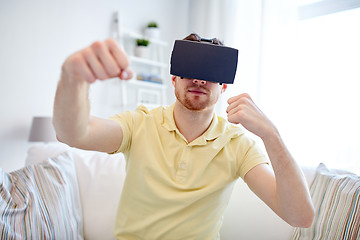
[(197, 91)]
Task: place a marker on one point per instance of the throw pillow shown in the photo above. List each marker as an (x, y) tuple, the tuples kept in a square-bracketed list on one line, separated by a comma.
[(40, 152), (100, 179), (336, 198), (41, 201)]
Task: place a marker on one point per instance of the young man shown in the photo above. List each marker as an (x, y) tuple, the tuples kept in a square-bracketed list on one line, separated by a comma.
[(182, 160)]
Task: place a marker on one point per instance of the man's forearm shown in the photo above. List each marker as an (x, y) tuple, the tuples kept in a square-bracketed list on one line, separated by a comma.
[(73, 125), (71, 110), (292, 191)]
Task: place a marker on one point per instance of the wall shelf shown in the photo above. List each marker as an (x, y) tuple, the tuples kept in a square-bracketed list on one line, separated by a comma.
[(145, 84), (135, 92), (148, 62), (135, 35)]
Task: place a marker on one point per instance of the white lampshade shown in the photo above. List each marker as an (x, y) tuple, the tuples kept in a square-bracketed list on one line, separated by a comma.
[(42, 130)]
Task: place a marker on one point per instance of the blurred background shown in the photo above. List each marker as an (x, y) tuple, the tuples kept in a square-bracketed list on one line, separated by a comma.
[(299, 60)]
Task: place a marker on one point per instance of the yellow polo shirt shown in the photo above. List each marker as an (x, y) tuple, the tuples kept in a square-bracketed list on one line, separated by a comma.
[(175, 189)]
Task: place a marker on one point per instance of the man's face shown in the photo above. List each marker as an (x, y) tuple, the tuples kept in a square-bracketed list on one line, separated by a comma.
[(197, 95)]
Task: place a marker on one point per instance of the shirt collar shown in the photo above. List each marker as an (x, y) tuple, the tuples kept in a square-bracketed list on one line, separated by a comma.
[(168, 118), (216, 128)]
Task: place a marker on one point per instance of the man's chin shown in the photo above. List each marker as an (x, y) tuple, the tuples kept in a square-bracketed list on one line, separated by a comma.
[(197, 107), (194, 104)]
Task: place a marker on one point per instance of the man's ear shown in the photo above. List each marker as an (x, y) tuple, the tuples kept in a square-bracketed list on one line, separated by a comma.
[(173, 80), (224, 87)]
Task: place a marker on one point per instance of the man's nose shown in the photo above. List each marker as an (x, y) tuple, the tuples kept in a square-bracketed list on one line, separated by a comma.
[(199, 82)]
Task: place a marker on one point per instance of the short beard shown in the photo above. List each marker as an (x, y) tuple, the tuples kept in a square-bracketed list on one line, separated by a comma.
[(194, 105)]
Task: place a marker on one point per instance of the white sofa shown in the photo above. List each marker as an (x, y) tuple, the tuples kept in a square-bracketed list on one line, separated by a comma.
[(100, 177), (247, 217)]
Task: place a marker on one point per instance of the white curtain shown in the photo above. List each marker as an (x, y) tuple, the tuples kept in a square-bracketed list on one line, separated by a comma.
[(262, 30), (288, 73), (310, 81), (302, 73), (238, 24)]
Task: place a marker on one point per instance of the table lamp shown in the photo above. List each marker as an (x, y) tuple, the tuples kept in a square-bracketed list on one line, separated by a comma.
[(42, 130)]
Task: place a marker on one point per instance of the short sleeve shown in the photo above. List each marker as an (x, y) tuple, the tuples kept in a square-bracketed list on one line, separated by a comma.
[(128, 121), (249, 155), (125, 120)]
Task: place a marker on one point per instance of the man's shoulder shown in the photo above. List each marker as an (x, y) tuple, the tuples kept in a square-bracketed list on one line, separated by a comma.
[(229, 128), (157, 114), (153, 112), (145, 111), (141, 114)]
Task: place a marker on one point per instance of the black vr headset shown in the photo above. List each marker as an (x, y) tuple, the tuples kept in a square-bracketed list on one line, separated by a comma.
[(209, 62)]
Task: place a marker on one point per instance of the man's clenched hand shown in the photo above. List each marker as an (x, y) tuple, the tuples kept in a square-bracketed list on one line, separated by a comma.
[(101, 60), (243, 110)]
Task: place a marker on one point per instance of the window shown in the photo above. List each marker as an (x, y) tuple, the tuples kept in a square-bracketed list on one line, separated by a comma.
[(328, 88), (316, 105), (315, 8)]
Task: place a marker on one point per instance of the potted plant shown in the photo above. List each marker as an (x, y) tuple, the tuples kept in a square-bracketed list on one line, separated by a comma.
[(152, 30), (141, 49), (152, 25)]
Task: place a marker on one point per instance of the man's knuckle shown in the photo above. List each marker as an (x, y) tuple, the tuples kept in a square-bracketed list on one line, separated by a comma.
[(241, 102), (89, 78), (76, 59), (73, 64), (114, 70), (110, 41), (97, 45), (125, 62), (86, 52), (101, 75), (240, 114)]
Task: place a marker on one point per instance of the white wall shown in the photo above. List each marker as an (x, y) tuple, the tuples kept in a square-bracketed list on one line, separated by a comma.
[(36, 37)]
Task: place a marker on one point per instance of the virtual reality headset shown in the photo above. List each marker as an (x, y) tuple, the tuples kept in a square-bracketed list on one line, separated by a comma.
[(209, 62)]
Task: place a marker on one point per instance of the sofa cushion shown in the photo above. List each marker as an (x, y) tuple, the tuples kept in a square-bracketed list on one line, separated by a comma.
[(336, 198), (100, 178), (41, 201)]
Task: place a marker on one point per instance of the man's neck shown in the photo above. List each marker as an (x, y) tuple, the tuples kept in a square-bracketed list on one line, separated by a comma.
[(192, 124)]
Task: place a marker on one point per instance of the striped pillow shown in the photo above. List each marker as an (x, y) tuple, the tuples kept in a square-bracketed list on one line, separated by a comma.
[(41, 201), (337, 200)]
